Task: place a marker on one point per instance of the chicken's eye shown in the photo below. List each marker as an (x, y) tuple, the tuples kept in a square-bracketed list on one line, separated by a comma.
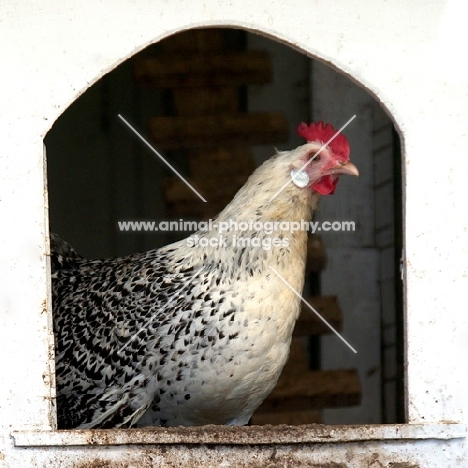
[(314, 157)]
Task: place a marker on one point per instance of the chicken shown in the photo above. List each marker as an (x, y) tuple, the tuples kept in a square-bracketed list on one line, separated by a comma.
[(195, 332)]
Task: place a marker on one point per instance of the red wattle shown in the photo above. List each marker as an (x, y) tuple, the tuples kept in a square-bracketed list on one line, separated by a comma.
[(326, 185)]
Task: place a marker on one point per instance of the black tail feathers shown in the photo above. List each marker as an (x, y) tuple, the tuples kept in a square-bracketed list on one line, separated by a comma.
[(62, 254)]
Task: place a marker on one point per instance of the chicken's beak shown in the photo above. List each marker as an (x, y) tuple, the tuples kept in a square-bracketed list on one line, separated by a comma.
[(344, 168), (326, 183)]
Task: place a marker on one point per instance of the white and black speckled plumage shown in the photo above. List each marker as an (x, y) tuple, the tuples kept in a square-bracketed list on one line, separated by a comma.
[(205, 332)]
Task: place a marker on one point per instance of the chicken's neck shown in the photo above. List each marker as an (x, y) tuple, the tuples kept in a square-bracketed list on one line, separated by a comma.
[(264, 225)]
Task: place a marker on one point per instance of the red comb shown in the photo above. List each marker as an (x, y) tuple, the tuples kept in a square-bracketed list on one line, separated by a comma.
[(322, 133)]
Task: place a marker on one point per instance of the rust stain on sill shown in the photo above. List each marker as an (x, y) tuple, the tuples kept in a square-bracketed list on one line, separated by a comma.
[(96, 463), (175, 461)]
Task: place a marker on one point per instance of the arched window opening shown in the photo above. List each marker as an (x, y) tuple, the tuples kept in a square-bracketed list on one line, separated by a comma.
[(215, 103)]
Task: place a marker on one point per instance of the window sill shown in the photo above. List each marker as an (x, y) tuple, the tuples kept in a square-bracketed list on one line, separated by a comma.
[(229, 435)]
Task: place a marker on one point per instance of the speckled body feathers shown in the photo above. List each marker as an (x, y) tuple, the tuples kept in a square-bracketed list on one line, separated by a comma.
[(181, 335)]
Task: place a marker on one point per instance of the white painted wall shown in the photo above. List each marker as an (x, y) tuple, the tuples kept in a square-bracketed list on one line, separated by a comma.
[(406, 54)]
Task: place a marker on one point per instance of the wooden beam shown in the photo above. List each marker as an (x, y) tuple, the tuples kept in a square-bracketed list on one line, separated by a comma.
[(215, 162), (316, 254), (291, 418), (223, 186), (219, 191), (309, 324), (258, 128), (203, 69), (307, 390), (206, 101)]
